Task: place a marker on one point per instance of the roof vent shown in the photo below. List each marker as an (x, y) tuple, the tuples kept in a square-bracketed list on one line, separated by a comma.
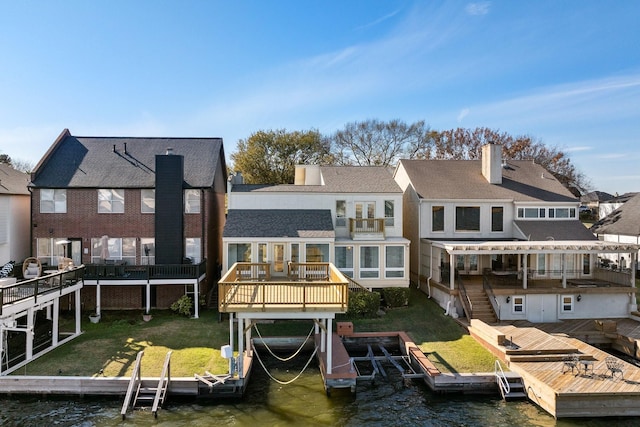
[(114, 148), (125, 148), (169, 151)]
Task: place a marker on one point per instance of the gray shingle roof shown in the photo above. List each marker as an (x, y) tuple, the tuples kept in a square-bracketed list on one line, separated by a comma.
[(305, 223), (13, 182), (555, 230), (624, 221), (92, 162), (522, 180), (337, 179)]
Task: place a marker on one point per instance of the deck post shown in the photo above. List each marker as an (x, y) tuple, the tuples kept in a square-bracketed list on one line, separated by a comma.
[(196, 298), (329, 346), (564, 270), (452, 272), (231, 329), (240, 346), (525, 268), (323, 336), (78, 313), (147, 308), (98, 298), (247, 337), (29, 335), (56, 318)]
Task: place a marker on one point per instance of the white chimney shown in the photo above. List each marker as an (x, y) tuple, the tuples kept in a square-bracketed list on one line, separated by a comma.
[(492, 163)]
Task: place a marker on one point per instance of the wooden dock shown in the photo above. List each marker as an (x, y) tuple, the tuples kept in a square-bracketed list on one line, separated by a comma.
[(541, 358)]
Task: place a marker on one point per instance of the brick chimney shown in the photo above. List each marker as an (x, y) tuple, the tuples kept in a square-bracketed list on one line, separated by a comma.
[(492, 163)]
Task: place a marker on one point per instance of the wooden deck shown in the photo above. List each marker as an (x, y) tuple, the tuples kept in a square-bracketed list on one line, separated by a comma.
[(538, 356)]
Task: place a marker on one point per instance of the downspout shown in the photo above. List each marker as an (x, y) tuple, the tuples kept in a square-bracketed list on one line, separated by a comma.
[(430, 271)]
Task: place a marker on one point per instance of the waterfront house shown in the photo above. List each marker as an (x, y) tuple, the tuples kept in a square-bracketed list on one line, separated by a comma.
[(14, 214), (350, 216), (500, 239), (144, 215), (620, 226)]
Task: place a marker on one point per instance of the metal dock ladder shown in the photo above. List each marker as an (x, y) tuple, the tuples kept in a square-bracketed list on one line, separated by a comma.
[(510, 384), (137, 394)]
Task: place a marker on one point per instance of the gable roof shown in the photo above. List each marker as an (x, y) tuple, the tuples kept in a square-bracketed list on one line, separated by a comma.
[(624, 221), (104, 162), (522, 181), (596, 196), (337, 179), (13, 182), (306, 223), (554, 230)]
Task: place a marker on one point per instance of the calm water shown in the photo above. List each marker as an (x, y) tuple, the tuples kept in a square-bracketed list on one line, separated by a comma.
[(303, 403)]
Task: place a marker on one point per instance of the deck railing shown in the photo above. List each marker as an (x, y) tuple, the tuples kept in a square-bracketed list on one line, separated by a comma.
[(310, 286), (116, 271), (32, 288), (366, 226)]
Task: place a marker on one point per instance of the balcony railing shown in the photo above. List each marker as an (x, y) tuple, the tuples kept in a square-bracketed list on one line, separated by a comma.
[(359, 226), (115, 271), (309, 287), (32, 288)]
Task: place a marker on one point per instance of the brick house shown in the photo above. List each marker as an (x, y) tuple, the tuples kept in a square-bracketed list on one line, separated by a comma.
[(133, 210)]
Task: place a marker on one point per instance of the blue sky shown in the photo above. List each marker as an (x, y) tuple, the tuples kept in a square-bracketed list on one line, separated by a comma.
[(564, 72)]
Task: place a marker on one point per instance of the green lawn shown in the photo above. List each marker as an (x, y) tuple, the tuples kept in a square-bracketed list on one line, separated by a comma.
[(112, 344)]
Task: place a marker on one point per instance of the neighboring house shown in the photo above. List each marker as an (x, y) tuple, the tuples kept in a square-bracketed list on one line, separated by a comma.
[(346, 215), (145, 215), (612, 204), (14, 215), (593, 199), (620, 226), (501, 240)]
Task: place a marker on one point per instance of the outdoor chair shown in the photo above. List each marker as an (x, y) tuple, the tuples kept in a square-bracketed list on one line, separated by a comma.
[(31, 268), (571, 362), (614, 365)]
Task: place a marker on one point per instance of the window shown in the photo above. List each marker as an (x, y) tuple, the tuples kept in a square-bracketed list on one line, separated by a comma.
[(262, 252), (317, 252), (388, 213), (344, 259), (497, 214), (567, 303), (460, 262), (473, 262), (341, 213), (192, 201), (295, 252), (518, 304), (53, 201), (48, 251), (113, 248), (467, 218), (542, 264), (148, 254), (147, 200), (238, 252), (192, 249), (110, 201), (437, 218), (369, 262), (532, 213), (394, 262), (586, 264)]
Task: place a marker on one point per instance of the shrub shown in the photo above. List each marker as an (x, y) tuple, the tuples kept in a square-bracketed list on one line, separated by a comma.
[(183, 305), (363, 304), (396, 297)]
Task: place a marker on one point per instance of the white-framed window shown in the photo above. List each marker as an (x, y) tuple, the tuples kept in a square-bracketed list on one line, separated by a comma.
[(192, 249), (147, 200), (105, 249), (148, 250), (341, 213), (562, 213), (192, 201), (531, 213), (394, 262), (53, 200), (467, 218), (48, 252), (437, 218), (238, 252), (295, 252), (317, 252), (369, 262), (389, 213), (567, 303), (110, 200), (344, 259), (517, 304), (262, 252)]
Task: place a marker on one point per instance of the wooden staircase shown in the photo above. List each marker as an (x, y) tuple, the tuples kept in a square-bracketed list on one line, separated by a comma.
[(481, 307)]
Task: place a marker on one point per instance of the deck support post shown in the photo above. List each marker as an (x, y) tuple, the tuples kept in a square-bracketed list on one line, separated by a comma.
[(56, 318), (452, 272), (231, 329), (240, 345), (525, 268), (247, 332), (78, 312), (323, 336), (98, 299), (196, 299), (329, 336), (29, 335), (564, 270), (147, 308)]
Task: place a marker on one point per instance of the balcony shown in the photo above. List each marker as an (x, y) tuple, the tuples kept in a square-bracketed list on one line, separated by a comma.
[(249, 287), (121, 271), (366, 228)]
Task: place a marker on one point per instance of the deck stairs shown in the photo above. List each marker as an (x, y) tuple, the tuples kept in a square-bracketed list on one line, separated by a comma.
[(481, 306), (140, 394)]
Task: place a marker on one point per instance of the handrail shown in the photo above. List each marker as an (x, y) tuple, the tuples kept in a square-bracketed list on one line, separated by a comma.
[(163, 384), (492, 297), (123, 271), (134, 382), (464, 298), (355, 286), (501, 379)]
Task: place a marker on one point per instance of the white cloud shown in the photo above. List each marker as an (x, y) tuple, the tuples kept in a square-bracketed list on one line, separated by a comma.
[(576, 149), (481, 8), (463, 113), (378, 21)]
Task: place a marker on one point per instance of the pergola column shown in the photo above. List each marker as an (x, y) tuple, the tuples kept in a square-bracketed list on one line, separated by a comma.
[(564, 270), (525, 269), (452, 272)]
